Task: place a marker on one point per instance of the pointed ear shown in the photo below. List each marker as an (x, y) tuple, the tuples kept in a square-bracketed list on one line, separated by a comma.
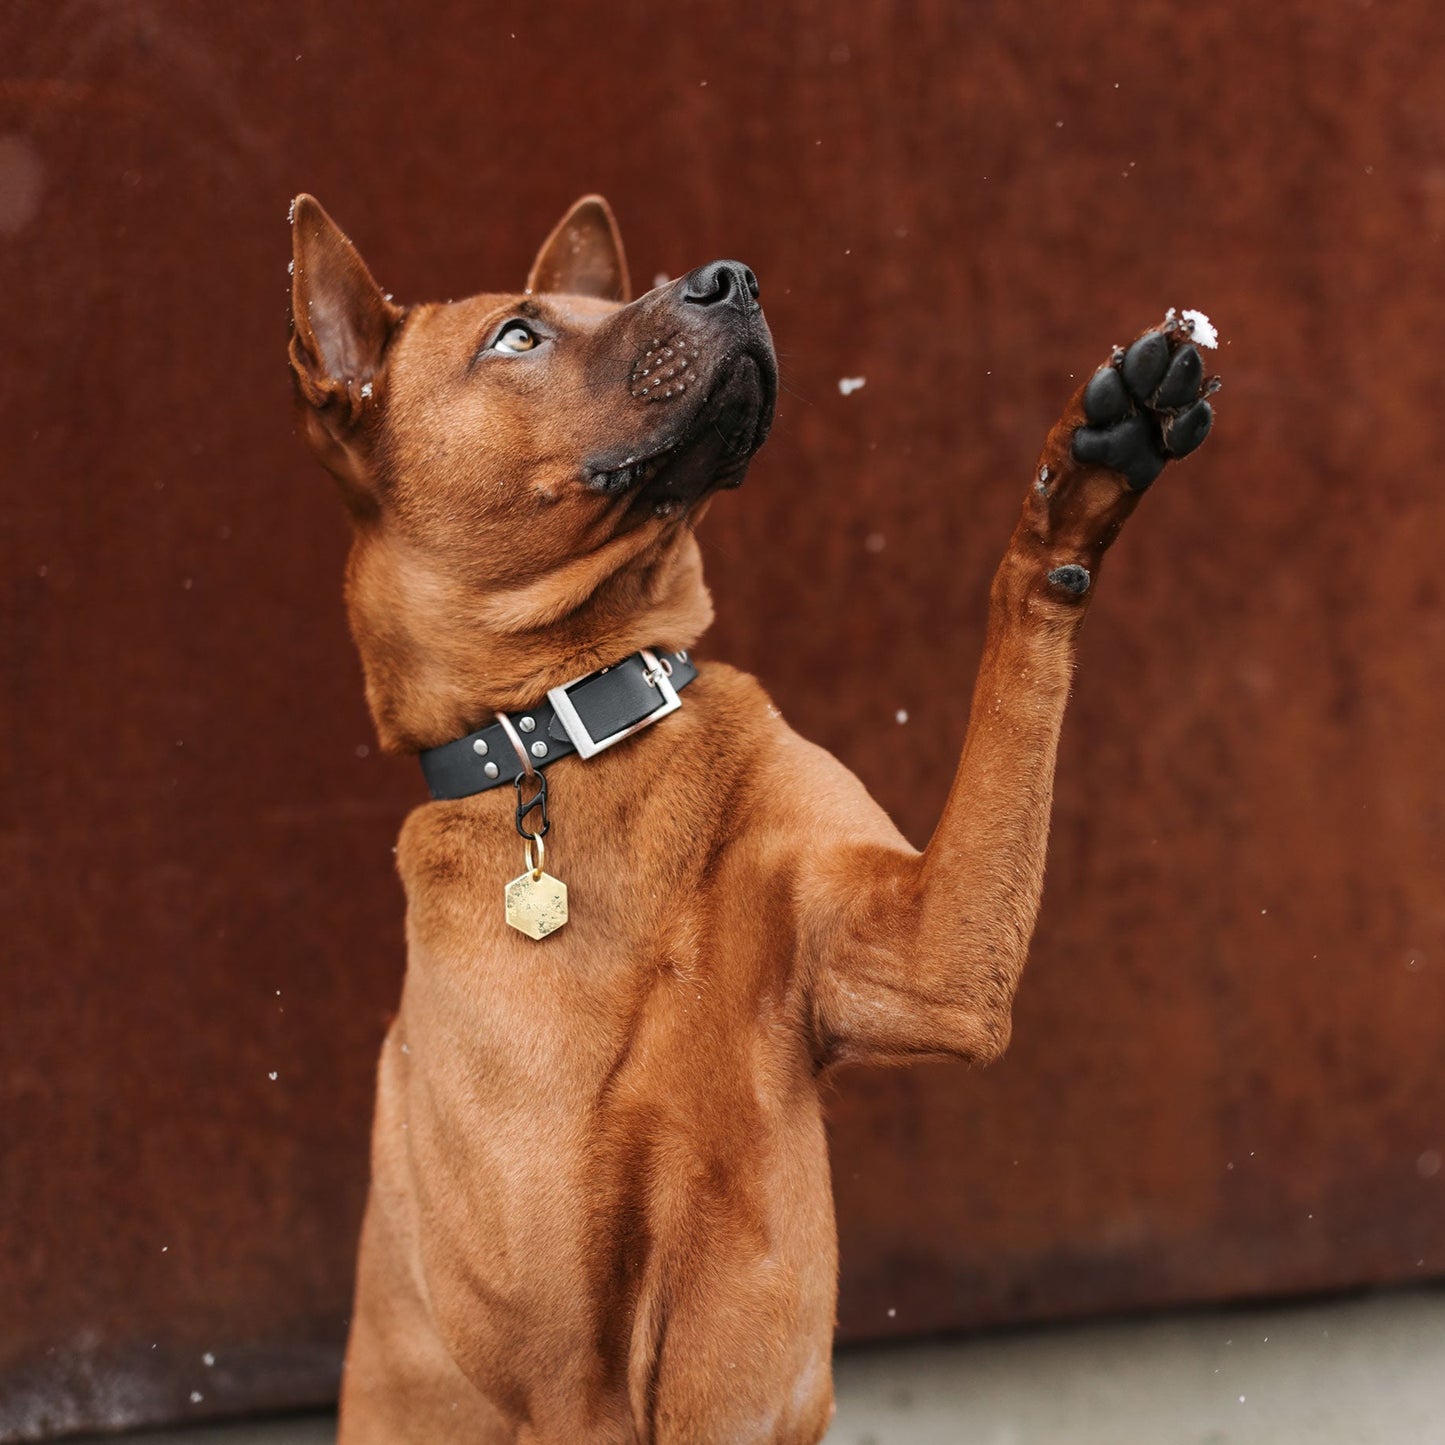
[(340, 321), (583, 256)]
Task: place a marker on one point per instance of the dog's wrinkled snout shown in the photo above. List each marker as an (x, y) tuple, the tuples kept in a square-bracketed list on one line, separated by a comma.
[(722, 283)]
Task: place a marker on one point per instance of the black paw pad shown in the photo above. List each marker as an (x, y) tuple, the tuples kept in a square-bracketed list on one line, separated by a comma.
[(1181, 382), (1071, 578), (1146, 406), (1183, 433), (1131, 447), (1145, 364), (1105, 399)]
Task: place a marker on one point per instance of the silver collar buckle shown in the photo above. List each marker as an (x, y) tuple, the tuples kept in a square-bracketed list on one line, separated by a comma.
[(658, 675)]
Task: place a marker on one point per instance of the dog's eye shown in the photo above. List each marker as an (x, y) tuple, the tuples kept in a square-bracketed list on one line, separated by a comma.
[(516, 336)]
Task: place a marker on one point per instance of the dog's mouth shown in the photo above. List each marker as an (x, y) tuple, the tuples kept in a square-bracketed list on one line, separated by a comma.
[(710, 451)]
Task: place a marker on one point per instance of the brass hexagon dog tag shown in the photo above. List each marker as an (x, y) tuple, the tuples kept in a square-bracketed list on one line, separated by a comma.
[(536, 902)]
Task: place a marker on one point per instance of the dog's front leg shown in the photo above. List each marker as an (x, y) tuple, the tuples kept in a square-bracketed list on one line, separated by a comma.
[(913, 955)]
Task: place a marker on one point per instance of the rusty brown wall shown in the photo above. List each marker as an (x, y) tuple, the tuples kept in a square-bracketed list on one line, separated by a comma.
[(1227, 1075)]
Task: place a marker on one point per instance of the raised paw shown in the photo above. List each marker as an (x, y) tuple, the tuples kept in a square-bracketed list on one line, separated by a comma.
[(1147, 405)]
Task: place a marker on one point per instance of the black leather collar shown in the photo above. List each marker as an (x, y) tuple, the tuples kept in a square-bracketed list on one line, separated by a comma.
[(586, 717)]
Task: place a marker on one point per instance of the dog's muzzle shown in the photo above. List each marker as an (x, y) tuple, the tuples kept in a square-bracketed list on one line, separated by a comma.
[(708, 375)]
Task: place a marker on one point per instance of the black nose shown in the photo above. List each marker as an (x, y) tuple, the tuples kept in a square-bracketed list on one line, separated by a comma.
[(722, 283)]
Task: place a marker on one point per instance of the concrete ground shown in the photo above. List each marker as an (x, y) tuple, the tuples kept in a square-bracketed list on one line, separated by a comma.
[(1360, 1371)]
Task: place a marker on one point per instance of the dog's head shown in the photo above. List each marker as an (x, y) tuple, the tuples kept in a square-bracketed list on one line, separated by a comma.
[(522, 469)]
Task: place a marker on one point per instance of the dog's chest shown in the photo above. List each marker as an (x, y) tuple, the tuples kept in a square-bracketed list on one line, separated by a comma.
[(676, 945), (563, 1005)]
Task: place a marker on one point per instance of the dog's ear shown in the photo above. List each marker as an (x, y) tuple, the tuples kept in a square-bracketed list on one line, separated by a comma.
[(583, 256), (340, 326)]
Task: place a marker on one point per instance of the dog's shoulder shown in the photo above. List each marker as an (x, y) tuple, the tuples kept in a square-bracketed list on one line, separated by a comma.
[(748, 753)]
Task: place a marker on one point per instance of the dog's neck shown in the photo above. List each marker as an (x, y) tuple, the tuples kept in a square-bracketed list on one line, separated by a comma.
[(442, 656)]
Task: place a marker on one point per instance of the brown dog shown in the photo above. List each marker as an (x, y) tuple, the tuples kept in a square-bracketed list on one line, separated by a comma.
[(600, 1206)]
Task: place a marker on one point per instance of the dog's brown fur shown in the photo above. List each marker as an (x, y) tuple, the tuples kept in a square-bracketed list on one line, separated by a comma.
[(600, 1206)]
